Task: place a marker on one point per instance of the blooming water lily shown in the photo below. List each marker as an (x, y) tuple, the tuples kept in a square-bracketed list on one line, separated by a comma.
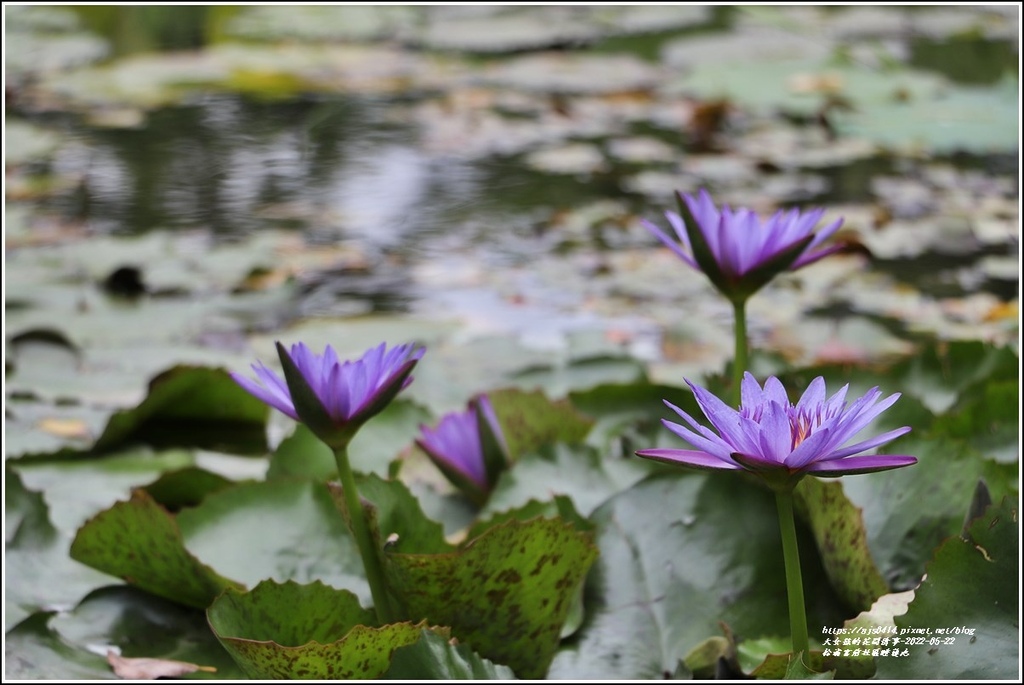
[(781, 441), (333, 397)]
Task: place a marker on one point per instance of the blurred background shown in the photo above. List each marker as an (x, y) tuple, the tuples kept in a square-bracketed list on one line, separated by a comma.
[(190, 183)]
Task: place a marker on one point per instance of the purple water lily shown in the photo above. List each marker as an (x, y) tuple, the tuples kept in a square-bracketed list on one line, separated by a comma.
[(457, 447), (344, 394), (781, 441), (738, 251)]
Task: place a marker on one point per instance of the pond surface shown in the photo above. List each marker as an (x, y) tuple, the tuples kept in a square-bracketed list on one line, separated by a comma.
[(489, 167)]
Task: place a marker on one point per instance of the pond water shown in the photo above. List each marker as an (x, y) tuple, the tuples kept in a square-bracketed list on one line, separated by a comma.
[(503, 183)]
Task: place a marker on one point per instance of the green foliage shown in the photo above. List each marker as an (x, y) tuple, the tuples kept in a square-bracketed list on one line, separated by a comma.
[(435, 658), (310, 631), (139, 542), (838, 529), (515, 585), (972, 586), (191, 406), (530, 420)]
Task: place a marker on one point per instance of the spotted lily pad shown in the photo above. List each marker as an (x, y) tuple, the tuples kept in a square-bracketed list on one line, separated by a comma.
[(139, 542), (506, 593), (307, 632)]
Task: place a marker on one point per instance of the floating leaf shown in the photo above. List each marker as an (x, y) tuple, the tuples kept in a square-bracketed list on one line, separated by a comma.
[(185, 487), (966, 611), (309, 632), (284, 529), (139, 542), (529, 420), (435, 658), (908, 512), (39, 575), (191, 406), (137, 624), (586, 475), (679, 554), (513, 587), (33, 651)]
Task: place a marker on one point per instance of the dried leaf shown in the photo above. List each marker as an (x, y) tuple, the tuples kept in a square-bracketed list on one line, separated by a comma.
[(151, 669)]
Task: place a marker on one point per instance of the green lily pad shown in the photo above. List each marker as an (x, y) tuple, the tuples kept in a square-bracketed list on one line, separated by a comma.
[(139, 542), (987, 417), (529, 420), (966, 612), (34, 651), (191, 406), (838, 529), (309, 631), (78, 486), (938, 373), (282, 529), (908, 512), (506, 593), (962, 118), (185, 487), (435, 658), (138, 625), (681, 553), (39, 575), (396, 519), (586, 475)]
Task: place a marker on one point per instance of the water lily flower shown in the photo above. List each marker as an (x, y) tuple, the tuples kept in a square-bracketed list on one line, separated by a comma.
[(469, 448), (738, 251), (333, 397), (780, 441)]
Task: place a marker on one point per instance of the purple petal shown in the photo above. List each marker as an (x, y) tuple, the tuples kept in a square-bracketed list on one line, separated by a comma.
[(750, 391), (775, 392), (809, 450), (776, 435), (711, 444), (669, 243), (852, 465), (813, 397), (698, 460), (867, 444), (266, 395)]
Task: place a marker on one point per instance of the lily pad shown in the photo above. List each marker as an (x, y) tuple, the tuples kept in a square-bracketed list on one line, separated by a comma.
[(137, 625), (515, 585), (838, 529), (39, 575), (191, 406), (966, 612), (435, 658), (34, 651), (588, 476), (139, 542), (305, 632), (257, 531), (679, 554)]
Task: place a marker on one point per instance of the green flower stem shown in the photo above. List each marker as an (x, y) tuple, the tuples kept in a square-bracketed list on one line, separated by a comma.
[(364, 540), (739, 364), (794, 583)]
